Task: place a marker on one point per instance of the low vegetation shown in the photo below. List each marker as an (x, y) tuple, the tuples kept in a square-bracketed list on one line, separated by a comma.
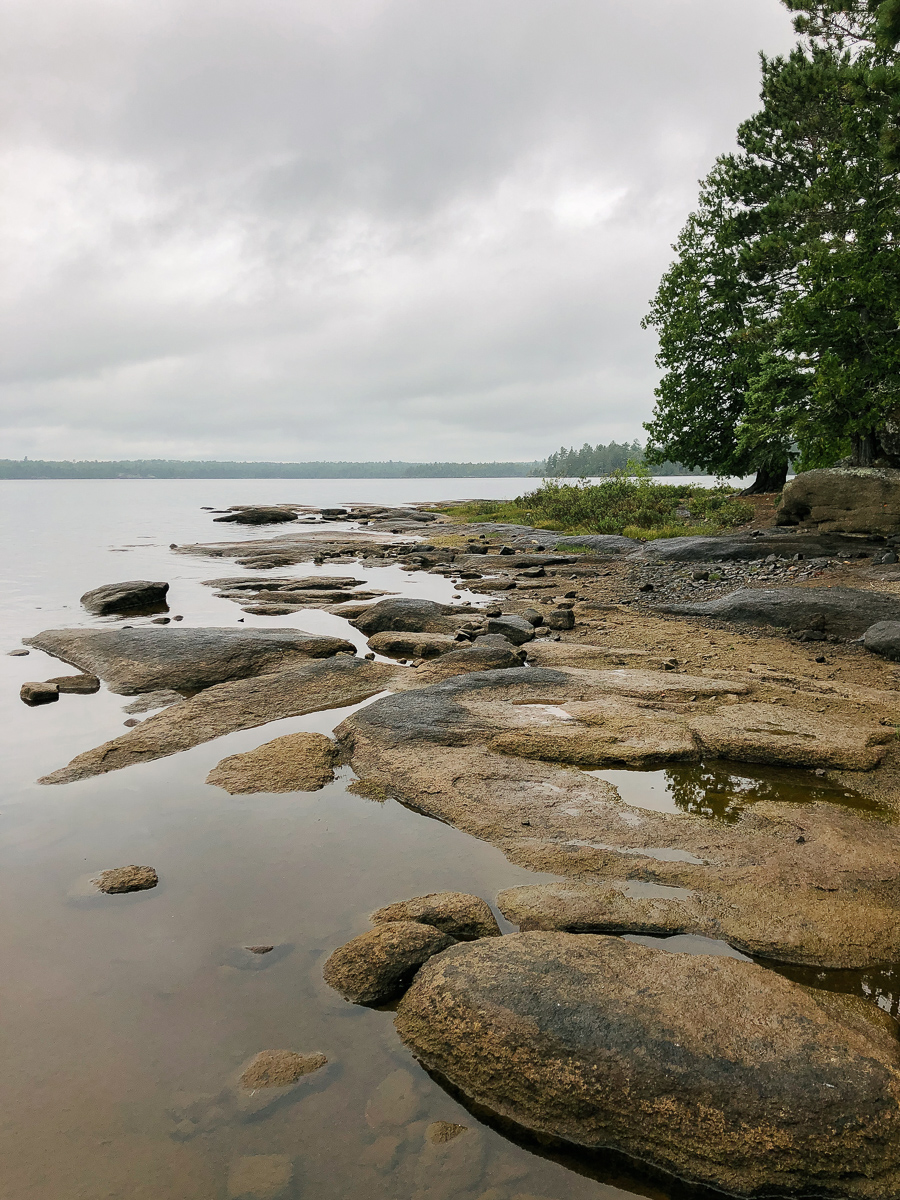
[(628, 503)]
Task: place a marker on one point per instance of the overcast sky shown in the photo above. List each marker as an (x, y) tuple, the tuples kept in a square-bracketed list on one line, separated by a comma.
[(349, 229)]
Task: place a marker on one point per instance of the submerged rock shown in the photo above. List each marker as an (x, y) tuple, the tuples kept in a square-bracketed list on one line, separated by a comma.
[(279, 1068), (127, 879), (244, 704), (260, 1177), (298, 762), (847, 612), (843, 499), (377, 966), (148, 659), (137, 595), (711, 1069), (461, 916)]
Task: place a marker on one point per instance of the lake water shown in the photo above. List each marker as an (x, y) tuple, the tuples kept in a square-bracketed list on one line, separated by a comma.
[(118, 1011)]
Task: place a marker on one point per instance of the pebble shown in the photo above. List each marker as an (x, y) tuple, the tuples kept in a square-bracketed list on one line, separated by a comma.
[(17, 653)]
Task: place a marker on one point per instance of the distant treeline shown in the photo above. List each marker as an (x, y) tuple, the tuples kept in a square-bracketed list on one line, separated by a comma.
[(162, 468), (602, 460), (589, 460)]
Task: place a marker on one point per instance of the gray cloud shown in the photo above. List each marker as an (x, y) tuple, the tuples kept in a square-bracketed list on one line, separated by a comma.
[(349, 228)]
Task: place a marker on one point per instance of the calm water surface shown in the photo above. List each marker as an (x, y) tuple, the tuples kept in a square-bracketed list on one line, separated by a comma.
[(119, 1010)]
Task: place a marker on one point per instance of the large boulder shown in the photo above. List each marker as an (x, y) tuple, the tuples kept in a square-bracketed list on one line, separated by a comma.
[(843, 499), (152, 658), (137, 595), (883, 638), (377, 966), (714, 1070), (227, 707), (297, 762), (846, 612), (401, 614), (514, 628)]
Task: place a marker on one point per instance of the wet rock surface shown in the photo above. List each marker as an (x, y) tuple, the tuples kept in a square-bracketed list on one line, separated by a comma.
[(603, 1045), (145, 659), (127, 879), (137, 595), (377, 966), (244, 704), (846, 612), (461, 916), (492, 753), (298, 762)]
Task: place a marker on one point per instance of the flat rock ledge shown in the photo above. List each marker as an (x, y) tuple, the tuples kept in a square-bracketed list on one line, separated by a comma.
[(708, 1069), (298, 762), (227, 707), (154, 658), (846, 612)]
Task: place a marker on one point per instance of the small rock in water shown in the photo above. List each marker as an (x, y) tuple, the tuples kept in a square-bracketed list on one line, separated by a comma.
[(260, 949), (161, 621), (125, 597), (34, 694), (17, 653), (131, 722), (378, 966), (279, 1068), (260, 1177), (127, 879), (440, 1132)]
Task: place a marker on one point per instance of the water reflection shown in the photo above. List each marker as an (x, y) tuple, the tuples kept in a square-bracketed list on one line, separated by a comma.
[(722, 790)]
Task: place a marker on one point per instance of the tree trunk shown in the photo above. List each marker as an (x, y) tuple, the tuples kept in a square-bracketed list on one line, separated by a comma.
[(866, 449), (769, 478)]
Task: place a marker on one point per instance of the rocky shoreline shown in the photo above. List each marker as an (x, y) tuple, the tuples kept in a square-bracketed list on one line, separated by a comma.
[(769, 649)]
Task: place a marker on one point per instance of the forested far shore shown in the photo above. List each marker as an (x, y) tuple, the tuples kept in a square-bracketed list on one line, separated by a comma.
[(588, 461)]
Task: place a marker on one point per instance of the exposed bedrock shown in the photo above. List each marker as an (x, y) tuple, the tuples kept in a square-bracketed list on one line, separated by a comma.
[(137, 595), (848, 499), (153, 658), (259, 515), (744, 547), (243, 704), (847, 612), (713, 1070), (494, 753), (412, 645)]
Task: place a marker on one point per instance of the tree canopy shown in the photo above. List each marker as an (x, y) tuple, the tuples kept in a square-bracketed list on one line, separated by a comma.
[(778, 320)]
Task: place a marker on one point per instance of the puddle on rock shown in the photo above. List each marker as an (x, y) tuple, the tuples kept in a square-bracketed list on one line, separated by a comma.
[(722, 790)]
